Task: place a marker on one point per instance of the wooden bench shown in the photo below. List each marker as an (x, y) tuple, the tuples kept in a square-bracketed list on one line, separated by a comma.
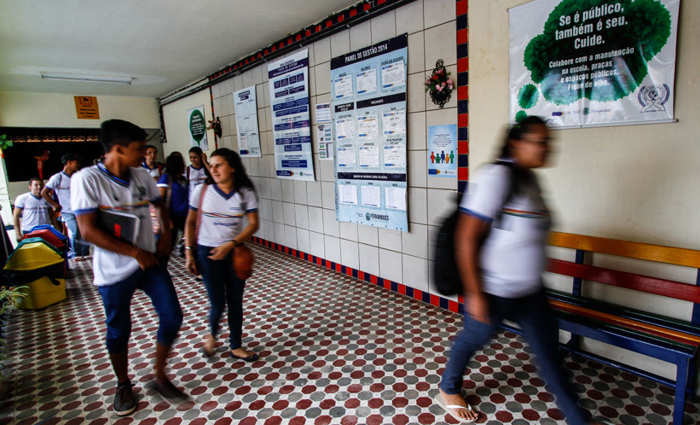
[(668, 339)]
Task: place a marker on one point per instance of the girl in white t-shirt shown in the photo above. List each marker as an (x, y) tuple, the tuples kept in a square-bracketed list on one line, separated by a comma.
[(227, 199)]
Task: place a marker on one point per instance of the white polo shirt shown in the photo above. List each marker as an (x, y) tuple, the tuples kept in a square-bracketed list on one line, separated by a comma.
[(60, 184), (35, 211), (95, 189), (222, 213), (195, 176), (513, 256)]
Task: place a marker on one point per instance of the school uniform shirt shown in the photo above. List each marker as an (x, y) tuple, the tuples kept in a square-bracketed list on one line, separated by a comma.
[(154, 172), (95, 189), (222, 213), (178, 193), (195, 176), (35, 211), (60, 184), (513, 255)]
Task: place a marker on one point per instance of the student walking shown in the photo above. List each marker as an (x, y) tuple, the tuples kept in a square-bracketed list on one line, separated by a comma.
[(500, 242), (174, 189), (214, 227), (119, 190)]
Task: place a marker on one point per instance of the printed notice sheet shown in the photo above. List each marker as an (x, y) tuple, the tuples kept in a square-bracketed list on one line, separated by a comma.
[(289, 97), (442, 151), (325, 141), (246, 110), (368, 108)]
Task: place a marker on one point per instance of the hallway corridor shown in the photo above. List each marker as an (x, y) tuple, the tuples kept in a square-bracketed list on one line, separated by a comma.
[(334, 350)]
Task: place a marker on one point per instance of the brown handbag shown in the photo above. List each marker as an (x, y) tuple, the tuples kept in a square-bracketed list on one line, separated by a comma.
[(242, 256)]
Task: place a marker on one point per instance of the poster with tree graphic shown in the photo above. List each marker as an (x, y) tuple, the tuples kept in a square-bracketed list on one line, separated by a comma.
[(581, 63)]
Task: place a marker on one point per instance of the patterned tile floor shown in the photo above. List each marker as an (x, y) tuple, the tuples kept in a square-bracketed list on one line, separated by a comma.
[(333, 350)]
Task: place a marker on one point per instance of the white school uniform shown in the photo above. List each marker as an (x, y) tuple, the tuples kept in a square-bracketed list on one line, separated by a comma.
[(195, 176), (222, 213), (60, 184), (35, 211), (95, 189)]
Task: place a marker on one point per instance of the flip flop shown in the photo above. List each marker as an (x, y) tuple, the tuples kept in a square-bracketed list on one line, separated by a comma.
[(440, 400), (248, 359)]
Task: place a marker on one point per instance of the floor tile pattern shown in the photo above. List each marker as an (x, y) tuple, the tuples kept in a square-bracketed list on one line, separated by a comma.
[(334, 350)]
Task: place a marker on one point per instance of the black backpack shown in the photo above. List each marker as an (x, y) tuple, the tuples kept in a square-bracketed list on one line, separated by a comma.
[(446, 272)]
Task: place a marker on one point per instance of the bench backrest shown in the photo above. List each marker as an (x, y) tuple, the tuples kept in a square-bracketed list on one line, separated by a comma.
[(661, 254)]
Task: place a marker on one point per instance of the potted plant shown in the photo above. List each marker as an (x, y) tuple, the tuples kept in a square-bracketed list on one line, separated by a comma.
[(8, 302)]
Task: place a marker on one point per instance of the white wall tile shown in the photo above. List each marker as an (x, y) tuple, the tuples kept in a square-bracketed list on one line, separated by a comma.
[(266, 210), (369, 259), (415, 242), (303, 240), (348, 231), (416, 53), (417, 205), (328, 191), (317, 245), (253, 167), (316, 219), (417, 133), (278, 211), (261, 228), (300, 196), (432, 240), (247, 79), (349, 254), (367, 235), (322, 51), (441, 43), (260, 94), (415, 273), (313, 190), (441, 203), (323, 78), (287, 190), (312, 81), (328, 171), (256, 74), (390, 265), (289, 214), (390, 239), (237, 83), (290, 236), (269, 230), (332, 245), (360, 36), (417, 168), (262, 119), (416, 92), (265, 100), (276, 189), (409, 18), (279, 234), (330, 223), (301, 213), (383, 27), (340, 43)]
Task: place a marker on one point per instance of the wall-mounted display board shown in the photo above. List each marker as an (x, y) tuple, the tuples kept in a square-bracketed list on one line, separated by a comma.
[(197, 126), (591, 63), (368, 95), (246, 110), (289, 96)]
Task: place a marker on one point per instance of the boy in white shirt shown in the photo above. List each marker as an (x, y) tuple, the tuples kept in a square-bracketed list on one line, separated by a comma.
[(32, 209), (121, 187)]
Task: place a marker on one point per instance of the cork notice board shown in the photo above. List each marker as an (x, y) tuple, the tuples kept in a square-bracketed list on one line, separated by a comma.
[(86, 108)]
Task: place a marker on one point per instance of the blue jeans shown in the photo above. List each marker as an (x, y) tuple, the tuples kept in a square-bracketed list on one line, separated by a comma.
[(224, 289), (116, 298), (79, 247), (533, 315)]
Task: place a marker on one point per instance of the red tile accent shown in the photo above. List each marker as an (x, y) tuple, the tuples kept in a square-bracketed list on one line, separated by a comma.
[(402, 289), (453, 306), (434, 300), (463, 147), (319, 261), (418, 294), (298, 37), (361, 275), (308, 33), (341, 18), (353, 12), (381, 2), (318, 28), (462, 36), (348, 271), (373, 279), (462, 93), (463, 120), (289, 41), (267, 51), (463, 174), (366, 6), (460, 298), (387, 284), (274, 48), (338, 267), (329, 23), (462, 7), (281, 44)]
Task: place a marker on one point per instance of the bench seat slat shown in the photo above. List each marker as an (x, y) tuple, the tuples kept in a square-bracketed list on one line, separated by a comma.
[(651, 285)]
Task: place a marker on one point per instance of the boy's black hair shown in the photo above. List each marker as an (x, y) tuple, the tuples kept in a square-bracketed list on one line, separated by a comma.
[(35, 178), (151, 147), (120, 132), (69, 157), (196, 149)]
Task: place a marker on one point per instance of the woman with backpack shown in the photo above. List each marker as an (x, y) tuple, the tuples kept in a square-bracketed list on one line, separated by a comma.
[(213, 229), (500, 248), (173, 187)]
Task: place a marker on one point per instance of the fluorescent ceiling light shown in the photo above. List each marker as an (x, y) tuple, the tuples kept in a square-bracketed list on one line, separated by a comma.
[(87, 78)]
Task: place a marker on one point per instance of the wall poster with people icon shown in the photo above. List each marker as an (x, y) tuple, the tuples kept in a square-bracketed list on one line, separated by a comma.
[(442, 151)]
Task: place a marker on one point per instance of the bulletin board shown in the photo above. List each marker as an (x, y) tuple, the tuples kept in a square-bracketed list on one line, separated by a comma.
[(368, 99)]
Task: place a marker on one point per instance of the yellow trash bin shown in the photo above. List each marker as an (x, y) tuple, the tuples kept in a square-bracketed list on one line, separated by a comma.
[(40, 267)]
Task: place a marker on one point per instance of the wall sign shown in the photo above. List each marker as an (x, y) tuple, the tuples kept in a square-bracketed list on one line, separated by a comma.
[(86, 107), (246, 109), (368, 95), (197, 128), (595, 62), (442, 151), (289, 96)]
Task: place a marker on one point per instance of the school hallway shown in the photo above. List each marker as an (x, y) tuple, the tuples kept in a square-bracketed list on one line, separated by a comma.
[(334, 350)]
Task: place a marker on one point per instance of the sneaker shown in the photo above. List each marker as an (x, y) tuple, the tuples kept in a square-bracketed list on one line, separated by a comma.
[(124, 402)]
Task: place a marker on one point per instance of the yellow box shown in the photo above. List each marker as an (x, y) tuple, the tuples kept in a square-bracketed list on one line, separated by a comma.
[(42, 293)]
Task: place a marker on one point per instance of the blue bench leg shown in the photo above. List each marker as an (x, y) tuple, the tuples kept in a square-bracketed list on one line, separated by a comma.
[(681, 383)]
